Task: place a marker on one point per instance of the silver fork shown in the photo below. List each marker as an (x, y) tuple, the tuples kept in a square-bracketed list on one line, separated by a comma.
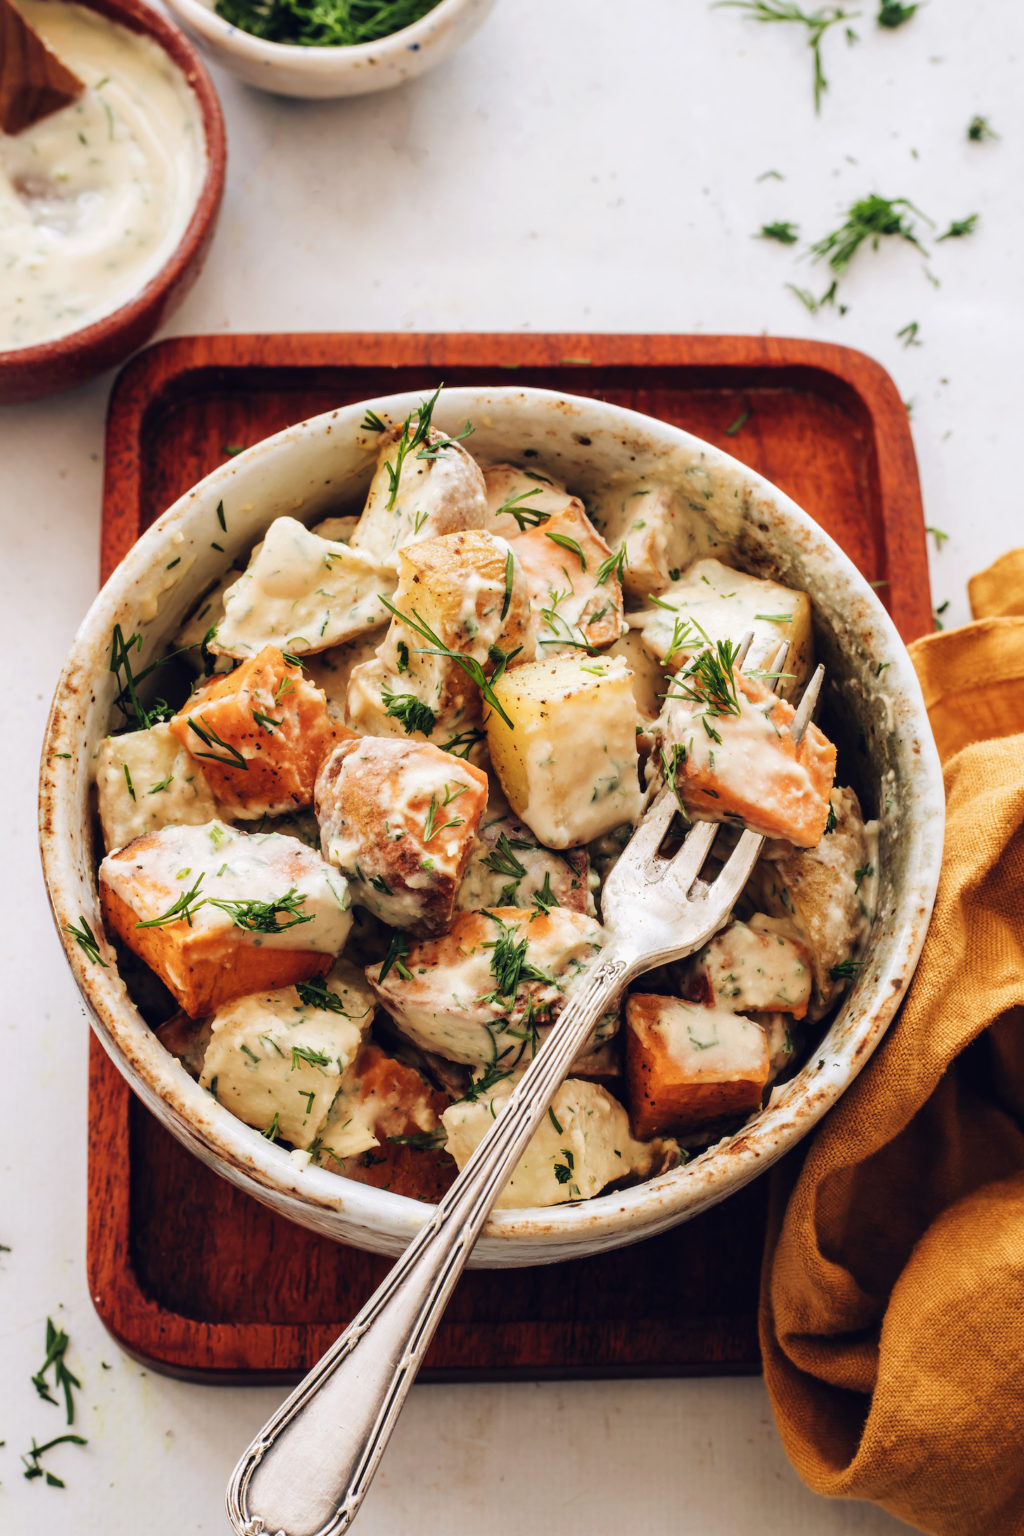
[(306, 1472)]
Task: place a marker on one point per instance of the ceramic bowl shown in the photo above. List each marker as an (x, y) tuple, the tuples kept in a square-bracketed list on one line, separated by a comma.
[(28, 373), (291, 69), (323, 465)]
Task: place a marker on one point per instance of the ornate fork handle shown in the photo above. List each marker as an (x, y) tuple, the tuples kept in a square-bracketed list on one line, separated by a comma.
[(307, 1471)]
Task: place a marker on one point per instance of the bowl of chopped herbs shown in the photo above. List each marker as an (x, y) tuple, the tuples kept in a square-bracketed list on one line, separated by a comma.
[(332, 47)]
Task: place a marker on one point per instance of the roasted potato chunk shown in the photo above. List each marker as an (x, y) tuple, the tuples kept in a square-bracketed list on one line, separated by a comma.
[(688, 1066), (425, 485), (752, 966), (466, 589), (518, 498), (824, 896), (398, 818), (726, 749), (509, 868), (384, 1129), (260, 735), (277, 1058), (658, 533), (483, 993), (146, 780), (580, 1146), (713, 602), (303, 594), (219, 913), (568, 759), (576, 597)]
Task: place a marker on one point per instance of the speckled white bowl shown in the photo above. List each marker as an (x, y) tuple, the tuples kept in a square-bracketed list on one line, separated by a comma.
[(291, 69), (323, 465)]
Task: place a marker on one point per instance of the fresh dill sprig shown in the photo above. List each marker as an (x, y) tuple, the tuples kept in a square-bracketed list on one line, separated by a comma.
[(398, 948), (816, 24), (708, 679), (908, 335), (870, 218), (893, 13), (938, 535), (960, 227), (615, 565), (509, 964), (127, 698), (784, 233), (498, 658), (488, 1079), (33, 1466), (229, 755), (422, 1141), (431, 827), (413, 714), (317, 994), (545, 898), (526, 517), (574, 548), (371, 422), (502, 861), (739, 423), (845, 970), (463, 744), (56, 1348), (181, 911), (510, 576), (979, 129), (86, 941), (264, 916)]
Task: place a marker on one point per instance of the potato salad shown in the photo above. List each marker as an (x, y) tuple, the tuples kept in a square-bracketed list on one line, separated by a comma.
[(358, 820)]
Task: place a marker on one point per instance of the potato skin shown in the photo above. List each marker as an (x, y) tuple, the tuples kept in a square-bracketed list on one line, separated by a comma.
[(376, 798), (269, 715)]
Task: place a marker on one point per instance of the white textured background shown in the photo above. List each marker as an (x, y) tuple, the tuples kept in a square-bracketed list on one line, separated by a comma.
[(580, 165)]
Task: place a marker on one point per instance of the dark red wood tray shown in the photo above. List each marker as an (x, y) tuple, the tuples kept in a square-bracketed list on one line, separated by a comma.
[(199, 1280)]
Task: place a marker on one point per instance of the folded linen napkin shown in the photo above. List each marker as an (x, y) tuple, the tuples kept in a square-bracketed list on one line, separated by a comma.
[(892, 1292)]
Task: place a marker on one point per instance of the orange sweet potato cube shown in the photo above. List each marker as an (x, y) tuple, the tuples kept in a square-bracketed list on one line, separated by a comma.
[(688, 1066), (218, 913), (743, 764), (260, 734)]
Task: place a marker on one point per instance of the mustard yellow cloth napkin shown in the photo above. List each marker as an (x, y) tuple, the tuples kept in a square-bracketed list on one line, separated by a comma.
[(892, 1293)]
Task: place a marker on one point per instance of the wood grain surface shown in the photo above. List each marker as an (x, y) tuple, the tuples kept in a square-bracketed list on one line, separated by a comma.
[(198, 1279)]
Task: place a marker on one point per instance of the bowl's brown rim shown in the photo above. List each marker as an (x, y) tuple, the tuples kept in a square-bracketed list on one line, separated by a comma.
[(138, 17)]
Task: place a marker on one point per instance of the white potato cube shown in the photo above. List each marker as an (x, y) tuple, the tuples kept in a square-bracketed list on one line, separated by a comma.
[(566, 756), (276, 1059), (583, 1144), (442, 494), (146, 780), (302, 594), (659, 533), (725, 604)]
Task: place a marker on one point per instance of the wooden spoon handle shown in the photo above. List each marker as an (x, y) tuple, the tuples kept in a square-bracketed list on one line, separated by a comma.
[(33, 81)]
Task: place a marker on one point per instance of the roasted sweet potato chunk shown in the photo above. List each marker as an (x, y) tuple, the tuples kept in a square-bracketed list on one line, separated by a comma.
[(398, 818), (576, 600), (259, 735), (219, 913), (688, 1066), (727, 749)]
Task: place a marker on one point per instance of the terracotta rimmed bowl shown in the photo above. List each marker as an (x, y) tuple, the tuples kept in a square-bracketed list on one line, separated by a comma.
[(292, 69), (323, 466), (29, 373)]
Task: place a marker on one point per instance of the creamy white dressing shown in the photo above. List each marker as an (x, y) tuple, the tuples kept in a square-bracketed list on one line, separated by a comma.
[(448, 1004), (752, 966), (95, 198), (583, 1144), (569, 766), (710, 1044), (235, 866), (302, 594), (146, 780), (277, 1062), (659, 536), (434, 496)]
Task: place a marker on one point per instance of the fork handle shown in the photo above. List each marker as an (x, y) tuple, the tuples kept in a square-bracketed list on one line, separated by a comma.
[(306, 1472)]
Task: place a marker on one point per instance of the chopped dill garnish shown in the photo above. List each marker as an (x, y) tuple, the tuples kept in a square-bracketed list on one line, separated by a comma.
[(498, 658), (816, 24), (784, 233), (870, 218), (526, 517), (328, 24), (960, 227), (410, 711)]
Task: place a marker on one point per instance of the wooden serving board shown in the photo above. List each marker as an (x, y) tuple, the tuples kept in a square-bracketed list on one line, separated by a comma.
[(198, 1279)]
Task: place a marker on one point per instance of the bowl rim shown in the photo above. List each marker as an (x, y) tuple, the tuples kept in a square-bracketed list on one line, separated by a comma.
[(137, 16), (340, 1207), (416, 37)]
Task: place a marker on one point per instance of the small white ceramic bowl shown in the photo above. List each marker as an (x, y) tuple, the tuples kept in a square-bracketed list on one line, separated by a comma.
[(323, 466), (291, 69)]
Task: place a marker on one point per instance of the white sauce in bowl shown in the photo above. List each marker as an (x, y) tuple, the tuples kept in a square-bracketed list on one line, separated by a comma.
[(95, 198)]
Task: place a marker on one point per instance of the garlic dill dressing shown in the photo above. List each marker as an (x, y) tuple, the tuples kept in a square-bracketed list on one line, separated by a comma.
[(94, 198)]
